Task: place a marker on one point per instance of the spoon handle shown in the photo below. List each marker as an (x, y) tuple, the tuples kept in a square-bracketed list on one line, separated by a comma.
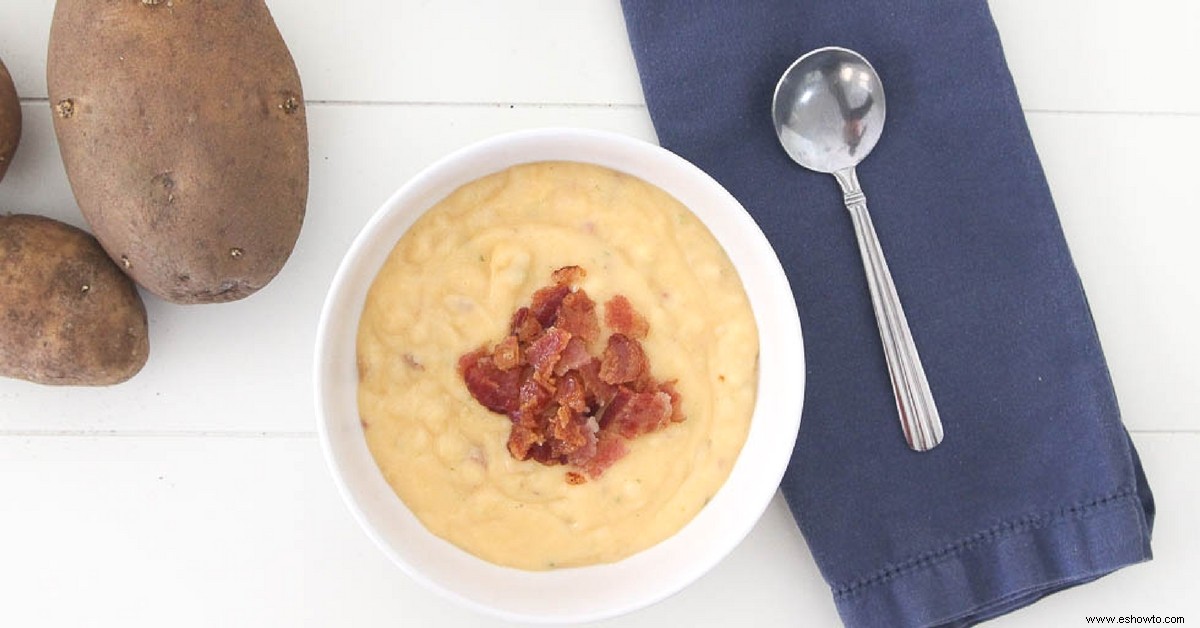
[(918, 413)]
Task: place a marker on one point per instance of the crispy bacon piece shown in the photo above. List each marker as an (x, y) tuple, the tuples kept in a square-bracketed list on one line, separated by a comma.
[(570, 428), (571, 393), (610, 447), (676, 400), (545, 352), (574, 356), (522, 439), (599, 392), (566, 405), (585, 452), (575, 478), (620, 317), (544, 453), (568, 275), (623, 360), (532, 399), (620, 399), (525, 325), (496, 389), (641, 413), (507, 353), (546, 302), (577, 314)]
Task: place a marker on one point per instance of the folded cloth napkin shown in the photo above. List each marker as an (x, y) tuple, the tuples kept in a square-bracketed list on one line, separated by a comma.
[(1037, 486)]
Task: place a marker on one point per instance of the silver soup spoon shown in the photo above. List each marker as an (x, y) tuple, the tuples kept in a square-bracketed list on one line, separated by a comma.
[(829, 109)]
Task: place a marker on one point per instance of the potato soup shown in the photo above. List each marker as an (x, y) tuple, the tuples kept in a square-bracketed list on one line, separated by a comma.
[(451, 285)]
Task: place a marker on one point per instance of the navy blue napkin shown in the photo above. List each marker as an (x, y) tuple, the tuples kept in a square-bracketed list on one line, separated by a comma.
[(1037, 486)]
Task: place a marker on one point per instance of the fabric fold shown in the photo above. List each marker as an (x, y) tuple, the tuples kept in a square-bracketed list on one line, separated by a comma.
[(1037, 486)]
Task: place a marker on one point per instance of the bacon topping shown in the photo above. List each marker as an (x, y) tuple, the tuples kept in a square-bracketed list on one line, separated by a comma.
[(642, 413), (522, 439), (546, 302), (577, 314), (574, 477), (507, 353), (571, 393), (574, 356), (568, 275), (623, 361), (546, 351), (532, 398), (599, 391), (609, 448), (676, 400), (566, 405), (620, 316), (525, 325), (496, 389)]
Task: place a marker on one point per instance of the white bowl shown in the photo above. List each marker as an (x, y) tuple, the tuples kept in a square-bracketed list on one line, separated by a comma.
[(584, 593)]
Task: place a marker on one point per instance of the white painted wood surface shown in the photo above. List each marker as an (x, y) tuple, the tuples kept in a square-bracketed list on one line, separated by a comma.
[(195, 495)]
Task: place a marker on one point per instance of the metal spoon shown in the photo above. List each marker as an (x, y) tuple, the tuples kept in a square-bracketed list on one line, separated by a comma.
[(829, 109)]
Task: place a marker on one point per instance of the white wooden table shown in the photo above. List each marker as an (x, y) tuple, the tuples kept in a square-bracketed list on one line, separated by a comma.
[(196, 494)]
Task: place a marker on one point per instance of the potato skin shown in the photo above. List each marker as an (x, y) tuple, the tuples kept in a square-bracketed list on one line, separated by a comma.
[(182, 127), (10, 120), (68, 315)]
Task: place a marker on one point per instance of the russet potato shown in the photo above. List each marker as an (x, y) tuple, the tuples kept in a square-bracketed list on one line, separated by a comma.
[(182, 128), (10, 120), (68, 315)]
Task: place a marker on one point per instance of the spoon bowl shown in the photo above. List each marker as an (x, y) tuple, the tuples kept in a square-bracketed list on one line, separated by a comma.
[(829, 109)]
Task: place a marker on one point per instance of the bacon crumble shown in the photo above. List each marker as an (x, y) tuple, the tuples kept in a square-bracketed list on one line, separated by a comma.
[(623, 361), (566, 405), (620, 316)]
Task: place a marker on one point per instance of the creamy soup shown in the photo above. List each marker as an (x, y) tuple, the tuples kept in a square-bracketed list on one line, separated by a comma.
[(451, 285)]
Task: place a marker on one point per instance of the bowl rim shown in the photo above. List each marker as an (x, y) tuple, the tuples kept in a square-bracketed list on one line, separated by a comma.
[(786, 343)]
